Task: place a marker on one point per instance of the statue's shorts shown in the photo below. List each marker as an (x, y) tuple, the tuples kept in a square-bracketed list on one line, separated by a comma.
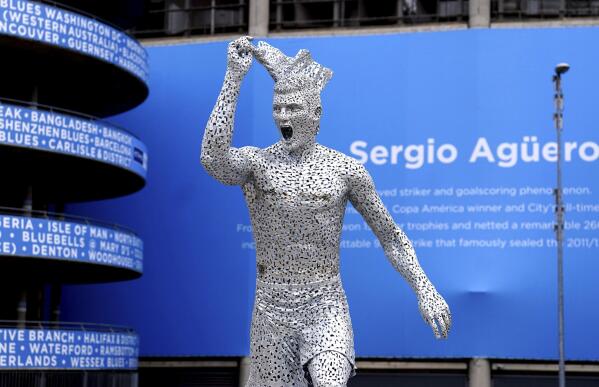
[(292, 324)]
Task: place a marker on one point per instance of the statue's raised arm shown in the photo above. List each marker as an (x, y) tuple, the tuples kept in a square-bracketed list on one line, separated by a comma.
[(225, 163)]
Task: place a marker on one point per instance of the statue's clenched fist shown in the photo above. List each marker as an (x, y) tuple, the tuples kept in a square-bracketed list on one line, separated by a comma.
[(239, 57)]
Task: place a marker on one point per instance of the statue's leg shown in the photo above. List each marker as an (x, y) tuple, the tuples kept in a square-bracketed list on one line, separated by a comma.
[(330, 369), (326, 342), (274, 360), (274, 348)]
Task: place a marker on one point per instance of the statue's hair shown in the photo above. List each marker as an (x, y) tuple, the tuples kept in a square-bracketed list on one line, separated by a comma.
[(300, 72), (294, 83), (309, 91)]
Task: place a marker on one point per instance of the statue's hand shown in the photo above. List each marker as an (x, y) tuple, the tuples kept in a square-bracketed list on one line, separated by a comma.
[(435, 312), (239, 57)]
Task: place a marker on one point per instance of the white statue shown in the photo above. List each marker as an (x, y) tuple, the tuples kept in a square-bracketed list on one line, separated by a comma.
[(297, 191)]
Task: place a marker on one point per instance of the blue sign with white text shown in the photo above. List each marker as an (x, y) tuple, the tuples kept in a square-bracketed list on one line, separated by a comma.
[(456, 130), (71, 241), (52, 349), (61, 133), (44, 23)]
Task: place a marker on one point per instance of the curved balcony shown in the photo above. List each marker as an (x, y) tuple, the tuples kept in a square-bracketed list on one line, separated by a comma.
[(98, 68), (36, 245), (67, 156), (67, 354)]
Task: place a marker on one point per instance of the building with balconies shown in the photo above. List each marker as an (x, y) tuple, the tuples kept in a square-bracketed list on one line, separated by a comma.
[(64, 70), (448, 104)]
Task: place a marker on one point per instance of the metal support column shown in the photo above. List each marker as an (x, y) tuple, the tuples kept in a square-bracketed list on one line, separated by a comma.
[(480, 13), (259, 13), (244, 371), (479, 373)]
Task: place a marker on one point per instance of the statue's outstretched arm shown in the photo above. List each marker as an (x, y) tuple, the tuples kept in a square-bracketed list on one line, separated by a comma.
[(225, 163), (398, 249)]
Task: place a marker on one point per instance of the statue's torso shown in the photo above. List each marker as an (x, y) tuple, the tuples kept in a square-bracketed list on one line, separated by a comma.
[(297, 209)]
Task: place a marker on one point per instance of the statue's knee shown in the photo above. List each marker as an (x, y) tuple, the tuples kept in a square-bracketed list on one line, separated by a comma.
[(330, 369), (324, 381)]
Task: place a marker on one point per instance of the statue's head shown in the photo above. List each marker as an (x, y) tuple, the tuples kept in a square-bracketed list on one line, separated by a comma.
[(296, 103)]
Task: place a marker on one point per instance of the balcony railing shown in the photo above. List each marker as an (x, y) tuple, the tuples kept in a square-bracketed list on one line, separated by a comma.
[(542, 9), (193, 17), (165, 18), (297, 14)]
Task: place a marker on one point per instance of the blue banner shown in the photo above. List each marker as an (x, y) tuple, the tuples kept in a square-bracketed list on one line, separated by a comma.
[(54, 349), (74, 136), (455, 128), (69, 240), (44, 23)]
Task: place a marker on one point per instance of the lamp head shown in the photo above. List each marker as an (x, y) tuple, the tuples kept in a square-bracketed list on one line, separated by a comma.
[(561, 68)]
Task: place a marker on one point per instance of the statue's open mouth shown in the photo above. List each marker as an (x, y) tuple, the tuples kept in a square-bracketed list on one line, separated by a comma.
[(286, 131)]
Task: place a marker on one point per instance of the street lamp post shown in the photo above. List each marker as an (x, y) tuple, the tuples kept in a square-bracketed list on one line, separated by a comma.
[(559, 215)]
